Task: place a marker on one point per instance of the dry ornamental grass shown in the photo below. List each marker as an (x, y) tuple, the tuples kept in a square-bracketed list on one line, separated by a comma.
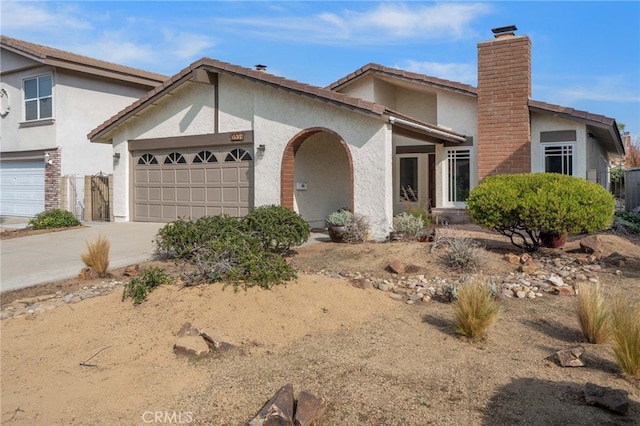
[(96, 256)]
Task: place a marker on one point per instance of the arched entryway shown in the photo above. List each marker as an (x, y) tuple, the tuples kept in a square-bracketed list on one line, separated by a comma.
[(316, 175)]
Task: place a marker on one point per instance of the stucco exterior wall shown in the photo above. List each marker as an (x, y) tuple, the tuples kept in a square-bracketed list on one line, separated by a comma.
[(363, 88), (458, 112), (417, 104), (546, 123)]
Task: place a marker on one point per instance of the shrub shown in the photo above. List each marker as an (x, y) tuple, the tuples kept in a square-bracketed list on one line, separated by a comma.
[(139, 287), (278, 228), (339, 217), (627, 222), (356, 229), (181, 237), (524, 206), (56, 218), (464, 254), (475, 309), (408, 225), (593, 314), (96, 256), (626, 336)]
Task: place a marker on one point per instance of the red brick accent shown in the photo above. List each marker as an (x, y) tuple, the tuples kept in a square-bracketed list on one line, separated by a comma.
[(504, 89), (288, 165), (52, 177)]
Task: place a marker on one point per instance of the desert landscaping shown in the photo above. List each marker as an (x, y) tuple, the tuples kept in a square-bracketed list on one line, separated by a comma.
[(378, 346)]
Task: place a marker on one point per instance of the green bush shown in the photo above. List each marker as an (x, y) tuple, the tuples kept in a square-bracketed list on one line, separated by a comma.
[(408, 225), (524, 206), (627, 221), (278, 228), (139, 287), (56, 218)]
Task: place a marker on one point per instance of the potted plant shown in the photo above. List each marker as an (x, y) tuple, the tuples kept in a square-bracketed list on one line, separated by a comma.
[(336, 224)]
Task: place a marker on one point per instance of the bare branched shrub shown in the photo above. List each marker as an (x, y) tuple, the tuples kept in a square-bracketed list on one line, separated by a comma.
[(357, 229), (593, 314), (407, 225), (208, 266), (96, 255), (475, 309), (464, 254), (441, 238), (626, 336)]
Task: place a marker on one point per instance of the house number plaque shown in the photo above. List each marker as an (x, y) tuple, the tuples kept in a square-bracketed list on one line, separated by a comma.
[(237, 137)]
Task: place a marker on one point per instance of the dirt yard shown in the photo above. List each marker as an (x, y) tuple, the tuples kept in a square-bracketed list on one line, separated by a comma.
[(377, 361)]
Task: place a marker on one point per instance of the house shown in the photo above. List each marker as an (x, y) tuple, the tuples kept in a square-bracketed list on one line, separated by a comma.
[(219, 138), (50, 100)]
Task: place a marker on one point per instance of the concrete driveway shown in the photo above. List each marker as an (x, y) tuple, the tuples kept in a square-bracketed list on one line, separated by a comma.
[(39, 259)]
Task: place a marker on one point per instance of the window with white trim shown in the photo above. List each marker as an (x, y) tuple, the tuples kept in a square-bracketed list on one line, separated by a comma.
[(38, 97), (458, 175), (559, 158)]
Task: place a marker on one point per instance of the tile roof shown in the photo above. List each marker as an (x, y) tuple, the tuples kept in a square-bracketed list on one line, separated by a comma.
[(216, 66), (407, 76), (63, 59), (572, 113)]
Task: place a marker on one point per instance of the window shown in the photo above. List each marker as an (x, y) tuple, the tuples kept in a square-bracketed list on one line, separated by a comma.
[(238, 154), (409, 179), (459, 175), (147, 159), (205, 157), (38, 98), (174, 158), (558, 158)]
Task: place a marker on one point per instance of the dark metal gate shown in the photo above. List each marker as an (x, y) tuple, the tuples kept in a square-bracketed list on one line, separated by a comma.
[(100, 198)]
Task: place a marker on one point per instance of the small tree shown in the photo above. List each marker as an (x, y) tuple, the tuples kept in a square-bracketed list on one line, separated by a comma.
[(525, 207)]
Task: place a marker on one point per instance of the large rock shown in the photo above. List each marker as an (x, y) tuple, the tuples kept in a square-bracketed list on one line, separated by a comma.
[(396, 266), (514, 259), (616, 400), (571, 357), (309, 409), (278, 411), (591, 244), (194, 346)]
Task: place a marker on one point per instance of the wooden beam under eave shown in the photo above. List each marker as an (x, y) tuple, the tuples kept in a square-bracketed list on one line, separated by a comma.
[(200, 75)]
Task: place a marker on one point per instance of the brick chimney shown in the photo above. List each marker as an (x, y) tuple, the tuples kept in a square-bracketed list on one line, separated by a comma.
[(504, 89)]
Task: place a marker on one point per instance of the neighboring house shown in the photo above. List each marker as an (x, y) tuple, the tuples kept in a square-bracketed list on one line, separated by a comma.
[(50, 99), (219, 138)]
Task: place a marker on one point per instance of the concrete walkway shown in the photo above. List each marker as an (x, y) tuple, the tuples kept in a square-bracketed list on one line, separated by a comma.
[(39, 259)]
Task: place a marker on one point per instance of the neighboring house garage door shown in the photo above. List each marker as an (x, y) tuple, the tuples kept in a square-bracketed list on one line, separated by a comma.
[(21, 188), (192, 183)]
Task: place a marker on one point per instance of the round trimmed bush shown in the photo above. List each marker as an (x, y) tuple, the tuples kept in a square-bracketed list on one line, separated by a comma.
[(278, 228), (525, 206)]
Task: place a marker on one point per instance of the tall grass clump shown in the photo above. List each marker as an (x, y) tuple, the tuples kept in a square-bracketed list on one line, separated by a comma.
[(593, 314), (626, 336), (96, 255), (475, 309)]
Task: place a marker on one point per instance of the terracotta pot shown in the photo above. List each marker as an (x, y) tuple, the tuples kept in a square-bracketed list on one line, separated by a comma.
[(552, 240), (336, 233)]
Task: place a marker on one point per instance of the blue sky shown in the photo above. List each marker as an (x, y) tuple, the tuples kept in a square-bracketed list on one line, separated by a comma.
[(585, 55)]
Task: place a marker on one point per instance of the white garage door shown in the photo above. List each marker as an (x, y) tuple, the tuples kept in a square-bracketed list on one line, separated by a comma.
[(191, 183), (21, 188)]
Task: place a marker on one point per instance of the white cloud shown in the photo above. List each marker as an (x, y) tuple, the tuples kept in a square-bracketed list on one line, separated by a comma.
[(387, 23), (186, 46), (42, 17), (461, 73), (117, 47)]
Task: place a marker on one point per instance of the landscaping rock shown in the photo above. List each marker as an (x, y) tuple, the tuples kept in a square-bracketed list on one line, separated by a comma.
[(309, 409), (591, 244), (514, 259), (278, 410), (564, 291), (616, 400), (194, 346), (131, 271), (571, 357), (396, 266)]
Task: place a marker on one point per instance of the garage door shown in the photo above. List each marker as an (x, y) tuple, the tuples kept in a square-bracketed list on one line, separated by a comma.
[(21, 188), (192, 183)]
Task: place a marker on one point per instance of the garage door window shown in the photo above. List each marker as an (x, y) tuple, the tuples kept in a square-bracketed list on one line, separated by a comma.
[(174, 158), (38, 98), (238, 154), (147, 159), (205, 157)]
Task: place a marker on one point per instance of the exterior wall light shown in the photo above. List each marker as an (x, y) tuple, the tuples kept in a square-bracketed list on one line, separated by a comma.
[(116, 156), (47, 159), (261, 148)]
